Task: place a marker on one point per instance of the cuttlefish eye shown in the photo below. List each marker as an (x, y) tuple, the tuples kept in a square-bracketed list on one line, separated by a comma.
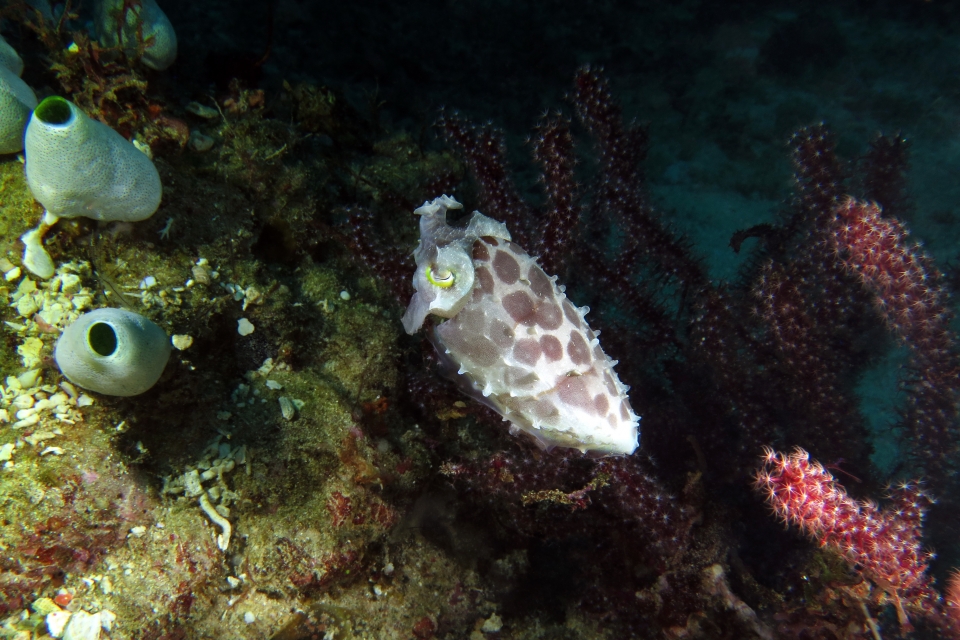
[(443, 278)]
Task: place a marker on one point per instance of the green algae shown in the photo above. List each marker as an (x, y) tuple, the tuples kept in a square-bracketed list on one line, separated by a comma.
[(18, 210)]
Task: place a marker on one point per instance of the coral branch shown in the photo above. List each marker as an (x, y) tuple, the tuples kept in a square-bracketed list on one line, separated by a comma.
[(812, 375), (910, 297), (553, 149), (952, 595), (883, 545), (819, 174), (619, 196), (483, 150)]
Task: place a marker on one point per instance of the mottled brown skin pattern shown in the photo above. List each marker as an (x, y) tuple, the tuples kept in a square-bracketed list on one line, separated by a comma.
[(529, 353)]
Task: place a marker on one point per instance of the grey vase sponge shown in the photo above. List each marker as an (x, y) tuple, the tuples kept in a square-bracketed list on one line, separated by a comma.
[(145, 29), (113, 351), (17, 100), (77, 166)]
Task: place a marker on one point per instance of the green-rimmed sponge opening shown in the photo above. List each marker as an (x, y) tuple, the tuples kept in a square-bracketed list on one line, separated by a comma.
[(54, 110), (102, 339)]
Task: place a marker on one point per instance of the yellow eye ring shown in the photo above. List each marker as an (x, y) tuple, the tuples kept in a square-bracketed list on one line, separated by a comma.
[(444, 279)]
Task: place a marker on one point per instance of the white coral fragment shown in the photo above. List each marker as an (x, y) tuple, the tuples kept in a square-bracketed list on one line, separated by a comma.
[(244, 327), (223, 540)]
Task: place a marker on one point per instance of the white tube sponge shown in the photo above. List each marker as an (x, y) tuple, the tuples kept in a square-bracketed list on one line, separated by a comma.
[(112, 351), (77, 166), (17, 100), (158, 36)]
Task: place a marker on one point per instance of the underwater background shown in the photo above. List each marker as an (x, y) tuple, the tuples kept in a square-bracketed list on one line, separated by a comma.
[(701, 174)]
